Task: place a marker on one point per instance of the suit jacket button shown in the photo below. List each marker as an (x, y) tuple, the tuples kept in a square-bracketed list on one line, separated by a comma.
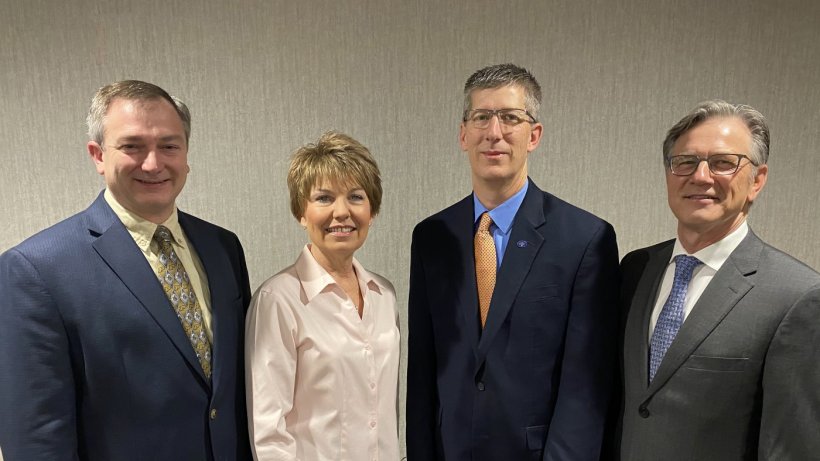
[(480, 386), (213, 413), (643, 411)]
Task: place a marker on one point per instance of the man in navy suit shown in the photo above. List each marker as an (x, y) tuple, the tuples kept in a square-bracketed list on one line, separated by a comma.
[(98, 362), (527, 377)]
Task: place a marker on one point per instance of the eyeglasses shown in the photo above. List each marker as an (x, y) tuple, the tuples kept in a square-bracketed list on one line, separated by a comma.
[(722, 164), (480, 118)]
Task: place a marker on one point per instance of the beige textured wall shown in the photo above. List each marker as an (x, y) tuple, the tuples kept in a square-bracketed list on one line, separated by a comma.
[(263, 77)]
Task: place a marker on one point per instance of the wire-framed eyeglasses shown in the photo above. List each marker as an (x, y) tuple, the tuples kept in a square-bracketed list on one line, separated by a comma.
[(509, 118), (722, 164)]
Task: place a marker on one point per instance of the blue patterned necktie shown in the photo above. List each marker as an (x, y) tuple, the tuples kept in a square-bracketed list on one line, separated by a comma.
[(671, 317), (180, 292)]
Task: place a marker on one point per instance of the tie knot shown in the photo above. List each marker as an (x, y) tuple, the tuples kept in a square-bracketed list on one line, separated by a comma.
[(484, 222), (162, 235), (685, 265)]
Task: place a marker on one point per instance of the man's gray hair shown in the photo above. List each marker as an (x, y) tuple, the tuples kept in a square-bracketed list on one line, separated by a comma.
[(706, 110), (500, 75), (129, 90)]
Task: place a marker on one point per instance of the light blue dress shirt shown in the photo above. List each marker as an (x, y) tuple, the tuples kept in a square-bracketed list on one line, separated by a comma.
[(502, 217)]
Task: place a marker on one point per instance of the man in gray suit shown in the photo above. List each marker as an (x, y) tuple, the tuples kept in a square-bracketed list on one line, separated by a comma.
[(721, 343)]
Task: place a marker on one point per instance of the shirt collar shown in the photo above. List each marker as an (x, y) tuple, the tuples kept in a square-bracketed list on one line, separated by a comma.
[(717, 253), (503, 214), (140, 228), (314, 278)]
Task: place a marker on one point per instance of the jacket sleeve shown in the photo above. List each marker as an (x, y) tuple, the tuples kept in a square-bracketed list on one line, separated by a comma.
[(790, 416), (38, 402), (270, 368), (589, 358), (422, 400)]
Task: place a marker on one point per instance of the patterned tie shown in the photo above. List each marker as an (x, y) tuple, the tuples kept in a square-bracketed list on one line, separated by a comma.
[(671, 317), (485, 265), (177, 286)]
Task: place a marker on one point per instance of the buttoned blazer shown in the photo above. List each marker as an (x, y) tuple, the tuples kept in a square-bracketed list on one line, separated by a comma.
[(534, 384), (95, 364), (740, 381)]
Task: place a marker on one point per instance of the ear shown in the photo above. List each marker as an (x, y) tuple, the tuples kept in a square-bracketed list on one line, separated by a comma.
[(535, 136), (758, 182), (303, 222), (96, 153), (462, 134)]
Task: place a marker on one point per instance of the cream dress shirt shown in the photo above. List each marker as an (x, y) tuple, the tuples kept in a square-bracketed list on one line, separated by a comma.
[(322, 383), (142, 231)]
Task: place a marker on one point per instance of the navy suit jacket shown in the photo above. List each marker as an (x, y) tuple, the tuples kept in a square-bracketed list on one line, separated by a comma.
[(95, 364), (535, 384)]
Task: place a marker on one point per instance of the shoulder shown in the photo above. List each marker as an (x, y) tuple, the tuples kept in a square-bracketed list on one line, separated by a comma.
[(640, 256), (195, 224), (63, 239), (284, 281), (382, 282), (783, 272), (208, 238), (558, 209), (446, 217)]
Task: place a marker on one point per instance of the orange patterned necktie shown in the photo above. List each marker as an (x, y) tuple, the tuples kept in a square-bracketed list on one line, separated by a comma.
[(177, 286), (485, 265)]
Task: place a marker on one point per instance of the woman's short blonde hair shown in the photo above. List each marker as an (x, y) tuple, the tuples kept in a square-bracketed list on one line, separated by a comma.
[(338, 158)]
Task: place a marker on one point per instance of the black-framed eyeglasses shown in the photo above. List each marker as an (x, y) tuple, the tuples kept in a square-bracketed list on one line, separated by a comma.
[(722, 164), (480, 118)]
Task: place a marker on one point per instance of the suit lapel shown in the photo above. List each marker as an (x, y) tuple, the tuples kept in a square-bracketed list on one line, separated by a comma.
[(728, 286), (524, 243), (118, 249), (637, 325)]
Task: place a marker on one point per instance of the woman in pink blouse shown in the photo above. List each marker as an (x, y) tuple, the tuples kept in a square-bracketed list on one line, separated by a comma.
[(322, 341)]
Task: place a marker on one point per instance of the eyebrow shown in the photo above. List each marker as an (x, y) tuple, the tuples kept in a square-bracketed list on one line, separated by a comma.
[(135, 138), (328, 191), (711, 152)]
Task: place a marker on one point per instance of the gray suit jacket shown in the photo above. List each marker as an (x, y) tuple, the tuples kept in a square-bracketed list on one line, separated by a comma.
[(741, 381)]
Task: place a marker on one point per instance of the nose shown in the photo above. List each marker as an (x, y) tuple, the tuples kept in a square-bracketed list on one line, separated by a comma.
[(493, 131), (702, 173), (340, 209), (152, 161)]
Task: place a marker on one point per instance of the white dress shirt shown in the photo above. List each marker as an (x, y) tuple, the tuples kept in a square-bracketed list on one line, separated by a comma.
[(712, 258), (322, 383)]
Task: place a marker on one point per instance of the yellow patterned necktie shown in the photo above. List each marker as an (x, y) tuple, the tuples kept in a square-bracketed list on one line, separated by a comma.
[(485, 265), (180, 292)]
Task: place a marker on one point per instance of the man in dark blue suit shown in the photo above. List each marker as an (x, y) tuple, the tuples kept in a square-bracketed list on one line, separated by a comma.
[(522, 372), (102, 359)]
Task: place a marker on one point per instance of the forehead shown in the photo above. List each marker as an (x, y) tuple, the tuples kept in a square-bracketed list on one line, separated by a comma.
[(118, 105), (336, 184), (142, 118), (508, 96), (716, 134)]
